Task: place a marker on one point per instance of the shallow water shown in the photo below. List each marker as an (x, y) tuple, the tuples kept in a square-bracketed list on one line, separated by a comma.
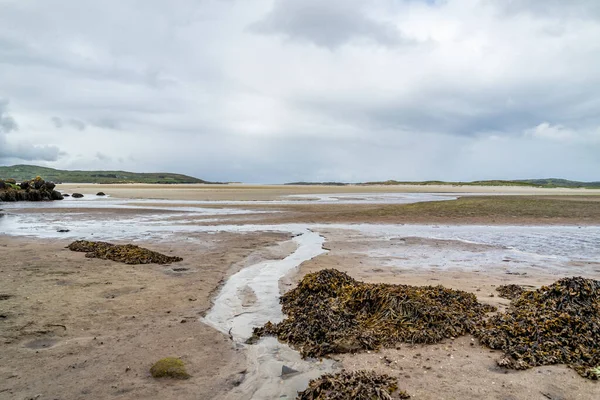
[(232, 315)]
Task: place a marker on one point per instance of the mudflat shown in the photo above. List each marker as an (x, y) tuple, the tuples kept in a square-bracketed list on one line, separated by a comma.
[(78, 328), (73, 327), (273, 192)]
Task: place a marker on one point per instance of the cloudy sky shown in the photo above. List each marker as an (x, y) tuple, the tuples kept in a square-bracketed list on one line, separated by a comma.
[(286, 90)]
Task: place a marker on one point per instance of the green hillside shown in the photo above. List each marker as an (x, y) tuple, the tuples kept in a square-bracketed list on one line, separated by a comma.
[(26, 172)]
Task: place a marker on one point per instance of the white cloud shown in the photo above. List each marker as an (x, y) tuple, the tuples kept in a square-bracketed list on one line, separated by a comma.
[(263, 90), (552, 132)]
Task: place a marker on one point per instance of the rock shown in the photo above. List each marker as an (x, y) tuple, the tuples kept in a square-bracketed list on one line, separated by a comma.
[(77, 195), (2, 184), (38, 182), (35, 190), (63, 230), (285, 371), (100, 194), (66, 195)]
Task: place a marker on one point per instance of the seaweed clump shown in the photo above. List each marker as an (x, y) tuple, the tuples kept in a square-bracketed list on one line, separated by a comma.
[(169, 367), (128, 254), (358, 385), (556, 324), (510, 292), (329, 312)]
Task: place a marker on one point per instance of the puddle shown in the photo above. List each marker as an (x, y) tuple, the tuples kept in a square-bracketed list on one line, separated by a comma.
[(249, 299), (38, 344)]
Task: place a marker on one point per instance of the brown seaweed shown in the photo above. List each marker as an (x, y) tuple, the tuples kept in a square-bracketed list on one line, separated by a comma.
[(128, 254), (329, 312), (358, 385), (556, 324), (510, 292)]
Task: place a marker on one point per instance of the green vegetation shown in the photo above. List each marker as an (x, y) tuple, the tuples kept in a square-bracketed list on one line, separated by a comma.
[(543, 183), (26, 172), (466, 210), (169, 367)]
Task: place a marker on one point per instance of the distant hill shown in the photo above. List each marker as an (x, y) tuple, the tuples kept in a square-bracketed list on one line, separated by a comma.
[(26, 172), (544, 183)]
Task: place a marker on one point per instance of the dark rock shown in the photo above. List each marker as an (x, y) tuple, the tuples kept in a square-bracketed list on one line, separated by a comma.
[(35, 190), (77, 195), (66, 195), (2, 184), (63, 230), (285, 371), (56, 195), (100, 194), (38, 182)]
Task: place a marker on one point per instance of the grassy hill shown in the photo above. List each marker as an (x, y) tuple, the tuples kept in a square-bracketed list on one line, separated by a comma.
[(26, 172), (543, 183)]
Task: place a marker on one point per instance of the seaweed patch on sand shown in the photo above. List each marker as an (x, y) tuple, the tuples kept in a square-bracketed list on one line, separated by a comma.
[(510, 292), (330, 312), (358, 385), (128, 253), (556, 324)]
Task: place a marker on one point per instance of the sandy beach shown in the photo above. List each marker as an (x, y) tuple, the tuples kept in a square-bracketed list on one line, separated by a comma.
[(75, 328)]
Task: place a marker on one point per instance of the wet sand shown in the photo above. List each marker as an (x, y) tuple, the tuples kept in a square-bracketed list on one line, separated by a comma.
[(80, 328), (84, 328), (248, 192)]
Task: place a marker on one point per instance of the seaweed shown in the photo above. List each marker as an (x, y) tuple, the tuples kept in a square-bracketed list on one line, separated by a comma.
[(128, 254), (358, 385), (510, 292), (329, 312), (169, 367), (556, 324)]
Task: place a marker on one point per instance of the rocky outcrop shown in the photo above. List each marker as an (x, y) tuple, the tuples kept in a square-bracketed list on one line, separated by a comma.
[(34, 190)]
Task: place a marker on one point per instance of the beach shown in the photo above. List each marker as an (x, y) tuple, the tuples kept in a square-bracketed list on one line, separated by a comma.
[(74, 327)]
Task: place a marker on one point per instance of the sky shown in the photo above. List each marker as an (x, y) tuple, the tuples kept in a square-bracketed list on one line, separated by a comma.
[(272, 91)]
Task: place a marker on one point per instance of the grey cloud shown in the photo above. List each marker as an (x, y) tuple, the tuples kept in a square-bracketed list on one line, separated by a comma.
[(68, 122), (103, 157), (7, 123), (551, 8), (107, 123), (210, 88), (326, 23), (21, 150), (28, 152)]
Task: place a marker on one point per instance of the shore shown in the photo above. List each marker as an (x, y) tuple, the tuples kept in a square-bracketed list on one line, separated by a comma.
[(451, 369), (79, 328), (249, 192), (74, 327)]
